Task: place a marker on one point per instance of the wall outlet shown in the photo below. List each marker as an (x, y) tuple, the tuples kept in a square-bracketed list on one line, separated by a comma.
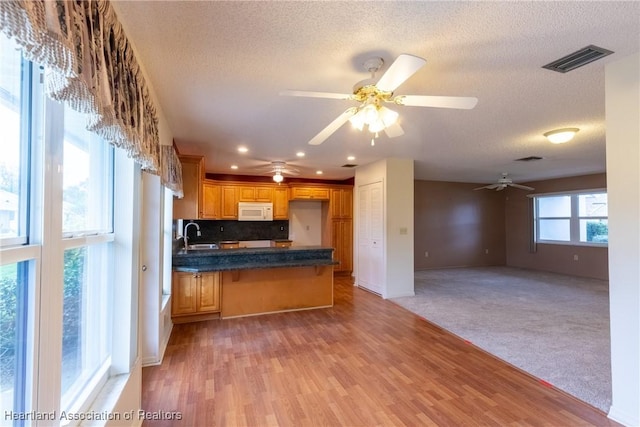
[(575, 257), (426, 254), (221, 228), (281, 228)]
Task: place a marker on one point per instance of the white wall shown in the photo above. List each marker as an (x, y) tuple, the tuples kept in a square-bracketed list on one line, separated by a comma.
[(399, 233), (623, 187), (305, 223)]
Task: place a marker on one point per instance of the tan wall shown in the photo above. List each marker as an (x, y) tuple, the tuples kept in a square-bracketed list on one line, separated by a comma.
[(456, 225), (592, 261)]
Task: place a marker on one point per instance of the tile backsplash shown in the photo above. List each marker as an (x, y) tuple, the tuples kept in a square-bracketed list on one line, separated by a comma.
[(215, 231)]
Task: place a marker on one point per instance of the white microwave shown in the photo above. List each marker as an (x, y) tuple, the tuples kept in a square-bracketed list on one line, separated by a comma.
[(251, 211)]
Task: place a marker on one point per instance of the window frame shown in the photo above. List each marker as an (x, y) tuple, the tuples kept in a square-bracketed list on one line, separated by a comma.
[(574, 218), (42, 248)]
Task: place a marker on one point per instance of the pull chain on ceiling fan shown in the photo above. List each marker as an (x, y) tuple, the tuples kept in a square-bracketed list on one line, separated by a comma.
[(371, 96)]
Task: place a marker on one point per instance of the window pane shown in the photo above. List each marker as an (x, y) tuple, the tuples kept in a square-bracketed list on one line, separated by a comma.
[(87, 179), (593, 205), (13, 336), (555, 206), (12, 178), (86, 330), (554, 229), (594, 230)]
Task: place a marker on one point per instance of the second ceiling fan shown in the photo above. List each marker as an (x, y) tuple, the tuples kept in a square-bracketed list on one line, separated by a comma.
[(371, 96)]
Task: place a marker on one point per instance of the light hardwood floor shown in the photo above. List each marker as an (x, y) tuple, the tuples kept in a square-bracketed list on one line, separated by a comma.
[(364, 362)]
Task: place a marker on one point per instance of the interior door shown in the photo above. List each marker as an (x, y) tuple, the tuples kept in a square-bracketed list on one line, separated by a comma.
[(371, 237)]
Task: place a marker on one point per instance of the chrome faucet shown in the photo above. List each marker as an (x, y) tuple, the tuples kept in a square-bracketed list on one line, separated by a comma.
[(186, 238)]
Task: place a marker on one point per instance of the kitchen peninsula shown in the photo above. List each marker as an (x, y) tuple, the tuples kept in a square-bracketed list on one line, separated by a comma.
[(250, 281)]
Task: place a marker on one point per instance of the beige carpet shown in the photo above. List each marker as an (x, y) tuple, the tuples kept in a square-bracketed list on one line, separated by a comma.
[(553, 326)]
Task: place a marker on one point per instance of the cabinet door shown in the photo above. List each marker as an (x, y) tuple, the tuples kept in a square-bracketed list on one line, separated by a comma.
[(312, 193), (246, 194), (281, 203), (183, 296), (192, 174), (208, 292), (229, 202), (211, 201), (264, 194), (346, 203), (342, 241), (341, 203)]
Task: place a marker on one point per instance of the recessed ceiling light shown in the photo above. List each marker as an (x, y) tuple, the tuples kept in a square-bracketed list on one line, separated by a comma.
[(300, 154), (242, 149), (318, 172), (234, 166), (351, 158)]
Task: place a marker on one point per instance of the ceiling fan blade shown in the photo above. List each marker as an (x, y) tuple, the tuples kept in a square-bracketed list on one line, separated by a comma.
[(522, 187), (311, 94), (465, 103), (394, 130), (488, 187), (402, 68), (333, 126)]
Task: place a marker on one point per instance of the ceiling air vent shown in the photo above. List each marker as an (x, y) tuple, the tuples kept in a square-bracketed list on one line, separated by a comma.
[(578, 59), (529, 159), (348, 165)]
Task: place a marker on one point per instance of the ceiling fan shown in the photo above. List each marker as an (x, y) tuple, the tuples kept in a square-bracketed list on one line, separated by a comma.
[(503, 183), (278, 169), (372, 94)]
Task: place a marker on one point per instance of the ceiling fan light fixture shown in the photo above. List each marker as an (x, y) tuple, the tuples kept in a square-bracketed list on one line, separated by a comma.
[(387, 116), (357, 120), (278, 177), (376, 126), (560, 136)]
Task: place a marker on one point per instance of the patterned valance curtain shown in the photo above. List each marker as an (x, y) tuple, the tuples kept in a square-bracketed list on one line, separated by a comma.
[(91, 67)]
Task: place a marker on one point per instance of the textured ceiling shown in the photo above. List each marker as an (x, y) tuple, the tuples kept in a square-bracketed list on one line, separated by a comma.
[(217, 69)]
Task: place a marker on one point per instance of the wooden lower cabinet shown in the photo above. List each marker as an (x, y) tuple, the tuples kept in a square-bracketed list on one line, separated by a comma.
[(195, 296), (342, 241)]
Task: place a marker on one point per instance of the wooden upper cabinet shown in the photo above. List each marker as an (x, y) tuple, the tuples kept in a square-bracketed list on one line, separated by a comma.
[(229, 201), (341, 202), (211, 203), (189, 207), (310, 193), (281, 203), (255, 193)]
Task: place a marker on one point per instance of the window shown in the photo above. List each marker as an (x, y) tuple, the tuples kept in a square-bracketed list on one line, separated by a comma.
[(14, 335), (14, 122), (87, 223), (572, 218), (19, 120), (56, 250)]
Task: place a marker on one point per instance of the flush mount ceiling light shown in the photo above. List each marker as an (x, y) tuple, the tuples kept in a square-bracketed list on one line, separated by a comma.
[(560, 136)]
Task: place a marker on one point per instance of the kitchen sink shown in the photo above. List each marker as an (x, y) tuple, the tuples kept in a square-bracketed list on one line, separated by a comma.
[(202, 246)]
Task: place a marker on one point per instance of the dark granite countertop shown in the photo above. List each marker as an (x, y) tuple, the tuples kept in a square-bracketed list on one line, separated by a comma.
[(252, 258)]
